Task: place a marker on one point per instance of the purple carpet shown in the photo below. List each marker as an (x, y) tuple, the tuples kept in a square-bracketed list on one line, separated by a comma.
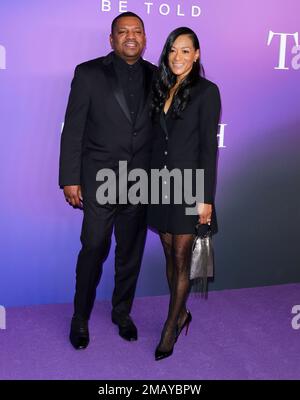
[(235, 334)]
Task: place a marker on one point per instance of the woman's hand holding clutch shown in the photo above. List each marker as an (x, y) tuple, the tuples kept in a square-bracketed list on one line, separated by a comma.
[(204, 212)]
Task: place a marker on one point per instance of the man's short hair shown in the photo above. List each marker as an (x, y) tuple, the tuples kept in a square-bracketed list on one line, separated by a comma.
[(125, 14)]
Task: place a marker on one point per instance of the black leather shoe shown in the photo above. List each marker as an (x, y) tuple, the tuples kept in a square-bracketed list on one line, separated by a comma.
[(79, 333), (127, 329)]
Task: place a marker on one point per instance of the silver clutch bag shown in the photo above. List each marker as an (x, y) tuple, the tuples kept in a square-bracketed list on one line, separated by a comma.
[(202, 260)]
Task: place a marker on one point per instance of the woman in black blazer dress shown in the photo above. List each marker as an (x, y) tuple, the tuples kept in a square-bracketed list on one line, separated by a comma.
[(185, 111)]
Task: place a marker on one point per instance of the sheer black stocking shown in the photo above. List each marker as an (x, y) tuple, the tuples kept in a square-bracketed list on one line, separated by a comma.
[(177, 249), (166, 240)]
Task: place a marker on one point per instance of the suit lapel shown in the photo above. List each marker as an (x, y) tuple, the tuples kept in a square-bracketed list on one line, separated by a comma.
[(148, 76), (117, 90), (114, 83)]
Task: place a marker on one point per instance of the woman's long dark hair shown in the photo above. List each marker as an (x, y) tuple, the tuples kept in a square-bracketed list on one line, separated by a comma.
[(166, 79)]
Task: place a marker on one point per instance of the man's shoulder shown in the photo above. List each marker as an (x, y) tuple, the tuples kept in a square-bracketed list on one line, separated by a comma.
[(96, 64), (149, 65), (91, 64), (99, 63)]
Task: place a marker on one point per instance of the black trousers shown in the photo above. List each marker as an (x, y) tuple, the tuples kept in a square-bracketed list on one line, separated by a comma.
[(129, 224)]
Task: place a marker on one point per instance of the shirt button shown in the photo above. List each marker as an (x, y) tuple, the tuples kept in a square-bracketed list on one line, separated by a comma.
[(166, 196), (165, 182), (165, 166), (167, 138), (166, 153), (134, 133)]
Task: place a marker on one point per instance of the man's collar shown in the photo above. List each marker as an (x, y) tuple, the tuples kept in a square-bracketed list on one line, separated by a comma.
[(122, 64)]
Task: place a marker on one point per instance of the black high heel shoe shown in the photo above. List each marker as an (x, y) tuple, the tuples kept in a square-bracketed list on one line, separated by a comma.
[(160, 354), (185, 324)]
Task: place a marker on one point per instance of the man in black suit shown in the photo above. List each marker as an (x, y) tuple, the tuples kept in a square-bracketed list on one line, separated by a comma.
[(107, 120)]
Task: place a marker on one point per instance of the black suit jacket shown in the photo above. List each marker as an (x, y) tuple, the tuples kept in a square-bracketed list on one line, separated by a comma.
[(192, 139), (192, 144), (98, 131)]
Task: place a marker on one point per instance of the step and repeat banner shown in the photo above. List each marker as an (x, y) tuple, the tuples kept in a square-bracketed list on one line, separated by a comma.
[(250, 49)]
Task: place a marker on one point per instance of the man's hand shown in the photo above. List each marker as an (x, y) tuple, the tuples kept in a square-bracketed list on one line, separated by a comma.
[(73, 195), (204, 212)]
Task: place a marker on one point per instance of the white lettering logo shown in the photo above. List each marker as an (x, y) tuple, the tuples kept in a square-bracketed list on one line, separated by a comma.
[(282, 49), (221, 135), (2, 318), (2, 57), (296, 59), (122, 6), (105, 5), (163, 8)]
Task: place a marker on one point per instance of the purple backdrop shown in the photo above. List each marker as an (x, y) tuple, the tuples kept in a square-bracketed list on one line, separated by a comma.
[(248, 48)]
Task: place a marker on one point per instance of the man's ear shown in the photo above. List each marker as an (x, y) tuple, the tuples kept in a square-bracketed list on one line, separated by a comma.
[(111, 41)]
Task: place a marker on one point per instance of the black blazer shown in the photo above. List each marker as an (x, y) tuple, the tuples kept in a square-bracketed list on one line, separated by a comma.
[(98, 131), (188, 142)]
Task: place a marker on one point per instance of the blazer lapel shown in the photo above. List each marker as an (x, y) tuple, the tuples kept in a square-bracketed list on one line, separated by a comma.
[(163, 124), (148, 77), (116, 88)]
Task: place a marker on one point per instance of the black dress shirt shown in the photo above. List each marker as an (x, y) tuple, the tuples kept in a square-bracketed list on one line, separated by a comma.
[(131, 79)]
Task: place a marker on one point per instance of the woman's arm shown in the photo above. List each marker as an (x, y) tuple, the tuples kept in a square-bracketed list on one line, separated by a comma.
[(209, 120)]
